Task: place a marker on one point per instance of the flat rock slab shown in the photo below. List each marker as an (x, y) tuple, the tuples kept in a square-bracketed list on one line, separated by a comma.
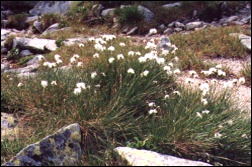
[(63, 148), (136, 157), (36, 44)]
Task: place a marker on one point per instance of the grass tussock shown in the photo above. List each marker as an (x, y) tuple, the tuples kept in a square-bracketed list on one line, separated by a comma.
[(123, 101)]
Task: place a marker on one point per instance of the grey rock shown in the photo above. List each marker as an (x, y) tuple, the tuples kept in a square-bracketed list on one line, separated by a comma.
[(38, 26), (178, 29), (51, 28), (148, 15), (246, 19), (168, 31), (179, 25), (31, 19), (193, 25), (135, 157), (4, 23), (24, 53), (231, 19), (108, 12), (167, 6), (238, 22), (34, 60), (164, 43), (62, 148), (132, 31), (34, 44), (6, 13), (9, 127), (172, 24), (74, 41), (42, 7), (162, 26), (244, 39), (4, 67), (97, 9), (4, 50), (30, 68)]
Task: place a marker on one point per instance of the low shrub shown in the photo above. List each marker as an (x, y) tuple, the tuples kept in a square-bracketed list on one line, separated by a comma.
[(129, 15), (18, 21)]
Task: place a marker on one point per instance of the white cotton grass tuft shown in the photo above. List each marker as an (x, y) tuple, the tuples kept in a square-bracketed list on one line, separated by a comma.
[(79, 64), (44, 83), (131, 71), (111, 59), (53, 83), (111, 48), (20, 84), (152, 111), (204, 101), (96, 55), (77, 91), (120, 56), (241, 81), (122, 44), (93, 74), (81, 85), (205, 112), (151, 104), (217, 135), (145, 73)]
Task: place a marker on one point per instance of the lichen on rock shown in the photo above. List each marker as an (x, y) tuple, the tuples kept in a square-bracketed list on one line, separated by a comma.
[(63, 148)]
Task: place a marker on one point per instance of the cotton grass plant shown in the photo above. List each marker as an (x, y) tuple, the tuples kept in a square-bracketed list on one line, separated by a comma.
[(118, 100)]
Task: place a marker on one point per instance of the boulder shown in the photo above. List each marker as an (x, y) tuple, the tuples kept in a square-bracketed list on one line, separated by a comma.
[(135, 157), (38, 26), (167, 6), (25, 52), (97, 9), (34, 60), (51, 28), (4, 67), (193, 25), (42, 7), (31, 19), (232, 18), (168, 31), (30, 68), (179, 25), (109, 12), (74, 41), (34, 44), (62, 148), (164, 43), (148, 15)]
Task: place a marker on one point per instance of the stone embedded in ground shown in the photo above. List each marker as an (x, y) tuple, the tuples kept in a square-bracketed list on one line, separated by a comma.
[(34, 44), (63, 148), (9, 128), (244, 39), (135, 157), (193, 25)]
